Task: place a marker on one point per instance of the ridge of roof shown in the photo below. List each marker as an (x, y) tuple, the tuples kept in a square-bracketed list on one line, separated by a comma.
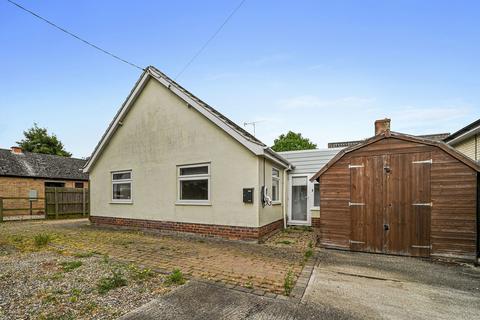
[(402, 136), (40, 165), (462, 131), (215, 112), (244, 137)]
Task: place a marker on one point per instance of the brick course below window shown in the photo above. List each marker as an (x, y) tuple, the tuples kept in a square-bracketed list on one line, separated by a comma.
[(223, 231)]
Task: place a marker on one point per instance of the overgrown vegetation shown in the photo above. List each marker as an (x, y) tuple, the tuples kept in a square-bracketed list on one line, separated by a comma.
[(83, 254), (288, 282), (42, 239), (175, 277), (116, 280), (308, 253), (139, 274), (287, 242), (71, 265)]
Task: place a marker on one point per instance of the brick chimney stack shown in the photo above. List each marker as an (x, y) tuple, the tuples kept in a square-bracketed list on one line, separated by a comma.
[(382, 125), (16, 150)]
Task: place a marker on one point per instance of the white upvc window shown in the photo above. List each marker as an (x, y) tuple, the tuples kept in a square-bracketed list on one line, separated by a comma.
[(316, 195), (122, 186), (193, 184), (275, 185)]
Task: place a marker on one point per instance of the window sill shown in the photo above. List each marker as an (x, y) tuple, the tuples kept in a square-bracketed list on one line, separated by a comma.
[(121, 202), (315, 208), (276, 203), (182, 203)]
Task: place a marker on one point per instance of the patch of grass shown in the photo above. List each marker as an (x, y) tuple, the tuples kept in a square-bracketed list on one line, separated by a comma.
[(83, 254), (310, 244), (106, 259), (74, 295), (288, 283), (88, 308), (308, 253), (42, 239), (175, 277), (71, 265), (49, 298), (287, 242), (139, 274), (108, 283)]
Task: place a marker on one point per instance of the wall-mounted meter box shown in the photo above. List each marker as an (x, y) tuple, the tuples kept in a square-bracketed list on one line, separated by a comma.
[(247, 195)]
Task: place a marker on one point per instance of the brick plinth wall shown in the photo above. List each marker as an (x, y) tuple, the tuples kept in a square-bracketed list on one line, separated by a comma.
[(316, 222), (212, 230)]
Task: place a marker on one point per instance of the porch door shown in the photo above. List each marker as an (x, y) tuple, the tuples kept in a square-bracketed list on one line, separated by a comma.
[(299, 212)]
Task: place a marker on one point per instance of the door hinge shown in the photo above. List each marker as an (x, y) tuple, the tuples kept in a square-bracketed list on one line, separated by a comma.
[(423, 161), (350, 166), (428, 204), (355, 242), (351, 204), (422, 247)]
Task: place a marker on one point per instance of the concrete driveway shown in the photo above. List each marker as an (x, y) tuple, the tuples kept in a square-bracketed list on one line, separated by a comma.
[(201, 300), (344, 285), (389, 287)]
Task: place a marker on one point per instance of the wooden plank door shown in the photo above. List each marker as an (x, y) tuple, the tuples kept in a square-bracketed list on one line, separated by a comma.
[(366, 203), (357, 204), (406, 216)]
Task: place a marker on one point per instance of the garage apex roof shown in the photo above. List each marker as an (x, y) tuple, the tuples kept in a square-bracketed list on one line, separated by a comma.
[(401, 136)]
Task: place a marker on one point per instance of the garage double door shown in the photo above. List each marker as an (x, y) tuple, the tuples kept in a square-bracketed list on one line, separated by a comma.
[(390, 203)]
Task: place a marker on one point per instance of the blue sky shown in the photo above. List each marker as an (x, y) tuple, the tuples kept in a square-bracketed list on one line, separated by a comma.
[(326, 69)]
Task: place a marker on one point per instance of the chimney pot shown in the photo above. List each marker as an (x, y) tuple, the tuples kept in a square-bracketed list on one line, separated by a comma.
[(382, 125), (16, 150)]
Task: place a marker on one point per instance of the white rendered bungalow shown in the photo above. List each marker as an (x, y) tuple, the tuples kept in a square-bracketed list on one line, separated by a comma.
[(170, 161)]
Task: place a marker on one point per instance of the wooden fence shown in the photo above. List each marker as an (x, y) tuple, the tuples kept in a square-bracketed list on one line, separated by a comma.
[(57, 203), (21, 206), (66, 201)]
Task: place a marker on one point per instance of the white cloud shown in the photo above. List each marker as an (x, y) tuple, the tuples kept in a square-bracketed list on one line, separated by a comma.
[(311, 101)]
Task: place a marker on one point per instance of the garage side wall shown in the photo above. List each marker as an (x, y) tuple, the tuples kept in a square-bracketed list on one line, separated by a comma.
[(454, 198)]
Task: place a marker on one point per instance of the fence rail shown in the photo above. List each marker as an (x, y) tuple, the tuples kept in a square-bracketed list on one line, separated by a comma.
[(57, 203)]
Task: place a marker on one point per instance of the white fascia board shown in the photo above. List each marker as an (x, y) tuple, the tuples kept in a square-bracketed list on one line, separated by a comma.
[(253, 147), (113, 127), (464, 136)]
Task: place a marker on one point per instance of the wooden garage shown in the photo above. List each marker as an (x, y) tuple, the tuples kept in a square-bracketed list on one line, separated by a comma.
[(399, 194)]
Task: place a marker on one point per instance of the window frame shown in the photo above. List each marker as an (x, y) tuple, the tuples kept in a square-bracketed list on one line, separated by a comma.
[(277, 178), (191, 177), (122, 181), (314, 207)]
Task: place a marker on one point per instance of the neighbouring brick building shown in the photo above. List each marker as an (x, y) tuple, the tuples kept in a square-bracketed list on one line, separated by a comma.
[(24, 174)]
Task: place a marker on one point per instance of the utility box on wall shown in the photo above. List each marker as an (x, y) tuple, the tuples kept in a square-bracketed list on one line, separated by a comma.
[(247, 195)]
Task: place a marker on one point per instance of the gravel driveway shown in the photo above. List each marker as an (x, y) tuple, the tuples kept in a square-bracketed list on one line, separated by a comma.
[(389, 287)]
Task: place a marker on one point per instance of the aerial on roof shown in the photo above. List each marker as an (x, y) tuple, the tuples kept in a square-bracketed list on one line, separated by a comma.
[(343, 144), (234, 130), (37, 165)]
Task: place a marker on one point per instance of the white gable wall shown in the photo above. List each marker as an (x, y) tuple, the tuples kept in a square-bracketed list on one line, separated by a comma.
[(159, 133)]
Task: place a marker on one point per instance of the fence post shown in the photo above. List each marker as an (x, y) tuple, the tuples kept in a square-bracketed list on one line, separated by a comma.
[(1, 210), (84, 205), (56, 203), (31, 208)]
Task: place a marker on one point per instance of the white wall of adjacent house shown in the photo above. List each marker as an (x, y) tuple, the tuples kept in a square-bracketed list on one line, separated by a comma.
[(158, 136), (469, 147)]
